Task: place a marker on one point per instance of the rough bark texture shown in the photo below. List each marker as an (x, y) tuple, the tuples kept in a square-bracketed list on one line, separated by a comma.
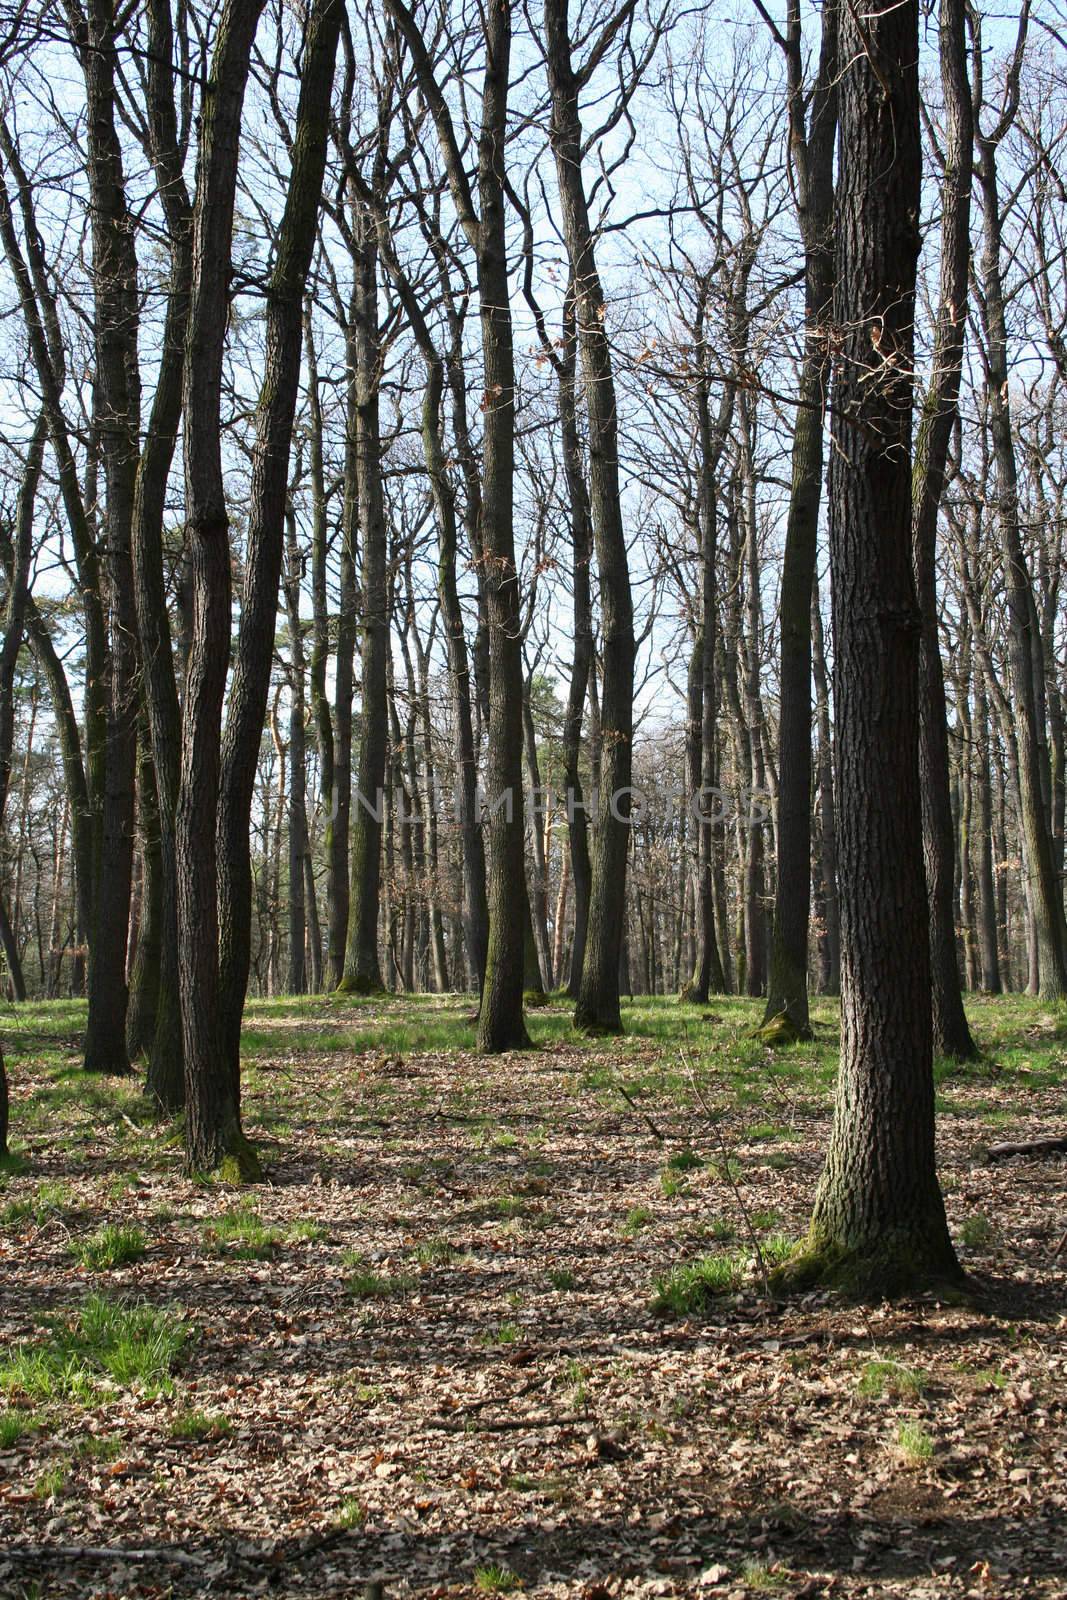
[(879, 1220), (951, 1034), (213, 1136), (165, 1084), (118, 417)]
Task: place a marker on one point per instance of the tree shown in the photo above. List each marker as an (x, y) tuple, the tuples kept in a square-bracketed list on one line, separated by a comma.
[(597, 1007), (951, 1034), (213, 1134), (812, 129), (878, 1223), (500, 1021)]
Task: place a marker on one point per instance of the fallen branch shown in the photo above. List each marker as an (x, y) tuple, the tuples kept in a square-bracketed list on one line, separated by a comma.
[(642, 1113), (1027, 1147)]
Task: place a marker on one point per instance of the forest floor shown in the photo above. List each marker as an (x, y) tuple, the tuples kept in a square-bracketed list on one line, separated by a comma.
[(499, 1325)]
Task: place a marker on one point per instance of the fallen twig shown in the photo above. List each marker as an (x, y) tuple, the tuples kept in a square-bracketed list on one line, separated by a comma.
[(643, 1114)]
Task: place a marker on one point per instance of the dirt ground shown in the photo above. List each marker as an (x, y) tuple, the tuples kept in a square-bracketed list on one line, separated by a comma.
[(427, 1353)]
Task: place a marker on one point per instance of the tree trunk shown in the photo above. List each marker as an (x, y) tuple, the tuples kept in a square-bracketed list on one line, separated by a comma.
[(213, 1136), (266, 518), (813, 159), (362, 974), (878, 1224), (597, 1007), (115, 298), (951, 1034)]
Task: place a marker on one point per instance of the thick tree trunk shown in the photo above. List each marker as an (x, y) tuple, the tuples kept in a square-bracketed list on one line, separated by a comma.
[(878, 1224), (165, 1083)]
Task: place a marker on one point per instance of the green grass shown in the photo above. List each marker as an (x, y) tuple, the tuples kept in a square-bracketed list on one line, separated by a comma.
[(496, 1580), (637, 1218), (109, 1247), (892, 1378), (368, 1284), (915, 1443), (977, 1231), (200, 1425), (561, 1278), (352, 1514), (130, 1345), (50, 1483), (47, 1200), (434, 1252), (14, 1425), (688, 1288), (684, 1161), (244, 1234)]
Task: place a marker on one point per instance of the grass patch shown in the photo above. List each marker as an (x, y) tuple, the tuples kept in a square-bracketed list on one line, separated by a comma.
[(246, 1232), (14, 1425), (914, 1443), (684, 1161), (107, 1341), (50, 1483), (200, 1425), (367, 1284), (496, 1580), (352, 1514), (688, 1288), (637, 1218), (560, 1278), (892, 1378), (977, 1230), (434, 1253), (110, 1246)]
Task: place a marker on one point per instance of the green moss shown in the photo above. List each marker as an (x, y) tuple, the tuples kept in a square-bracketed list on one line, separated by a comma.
[(892, 1270)]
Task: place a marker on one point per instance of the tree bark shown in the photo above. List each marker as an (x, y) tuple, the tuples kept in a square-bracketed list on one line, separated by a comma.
[(878, 1224), (812, 150), (951, 1034), (266, 518), (597, 1007), (213, 1136)]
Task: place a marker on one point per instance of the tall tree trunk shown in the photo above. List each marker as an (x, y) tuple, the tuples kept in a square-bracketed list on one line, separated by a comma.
[(812, 151), (1024, 651), (827, 815), (951, 1034), (266, 517), (879, 1220), (298, 824), (362, 974), (165, 1083), (597, 1006), (213, 1136), (115, 306)]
